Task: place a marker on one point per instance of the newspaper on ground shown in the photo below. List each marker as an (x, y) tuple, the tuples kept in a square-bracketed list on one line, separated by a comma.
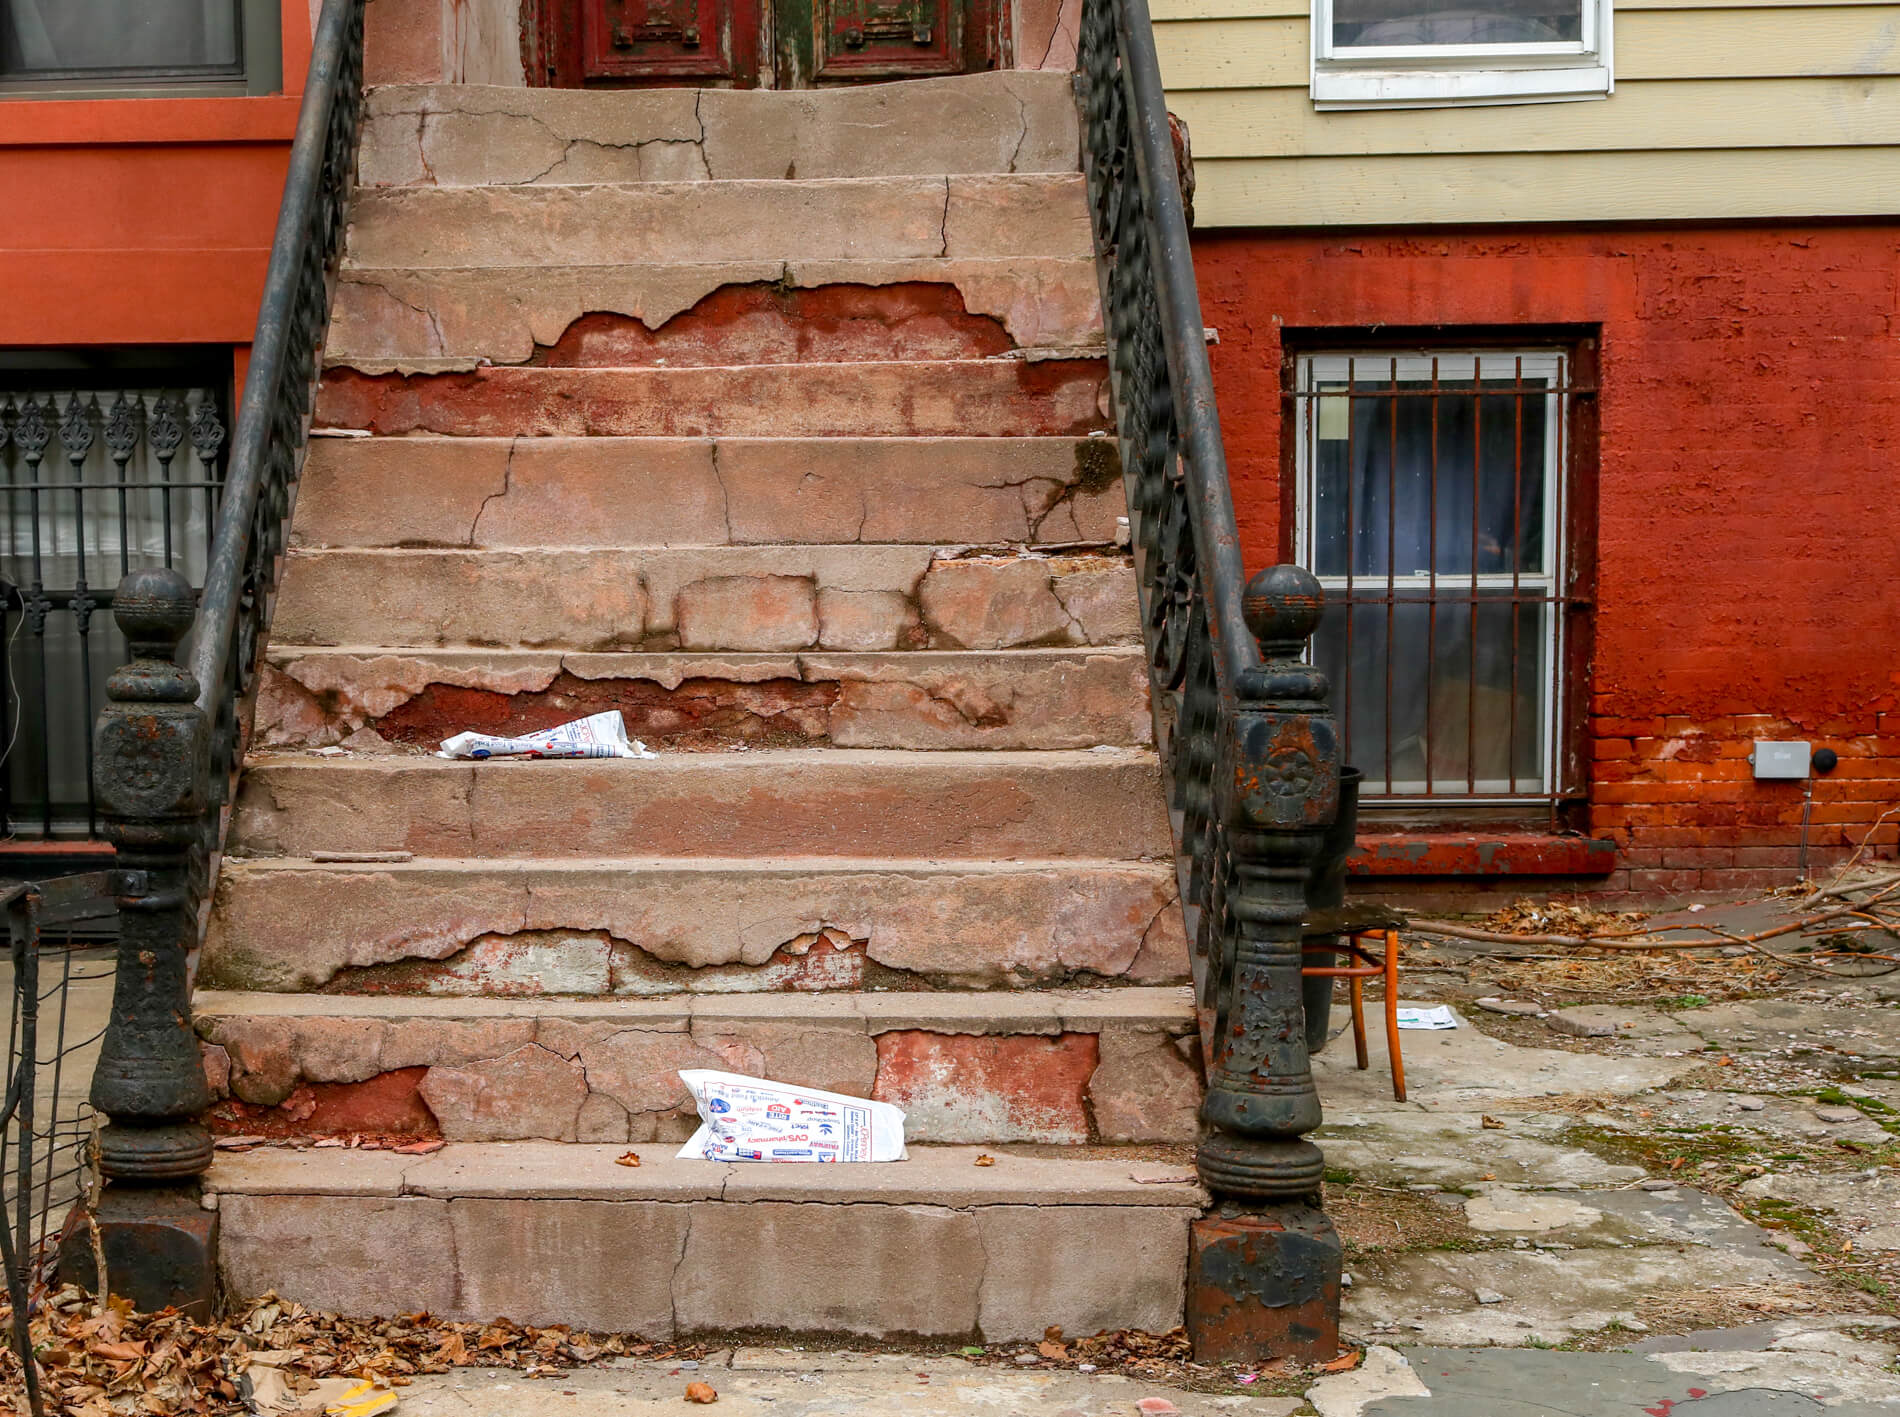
[(604, 735), (753, 1119), (1437, 1016)]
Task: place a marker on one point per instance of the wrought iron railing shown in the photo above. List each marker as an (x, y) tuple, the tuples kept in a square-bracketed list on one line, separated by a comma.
[(274, 412), (171, 738), (56, 985), (1246, 738)]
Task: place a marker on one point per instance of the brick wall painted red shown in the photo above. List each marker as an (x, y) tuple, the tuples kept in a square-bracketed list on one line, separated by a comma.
[(1748, 558)]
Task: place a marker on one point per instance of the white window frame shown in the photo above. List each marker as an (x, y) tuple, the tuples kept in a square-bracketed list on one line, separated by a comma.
[(1550, 367), (1446, 75)]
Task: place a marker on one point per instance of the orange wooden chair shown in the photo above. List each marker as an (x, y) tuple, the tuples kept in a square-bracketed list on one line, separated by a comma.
[(1368, 963)]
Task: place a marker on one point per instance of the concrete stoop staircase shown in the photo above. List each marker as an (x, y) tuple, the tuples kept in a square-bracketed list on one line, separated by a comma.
[(776, 422)]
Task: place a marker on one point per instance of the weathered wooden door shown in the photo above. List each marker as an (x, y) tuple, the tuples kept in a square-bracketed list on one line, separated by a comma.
[(759, 43)]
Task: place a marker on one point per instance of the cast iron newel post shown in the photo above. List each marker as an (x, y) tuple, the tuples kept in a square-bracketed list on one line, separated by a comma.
[(1264, 1268), (151, 753)]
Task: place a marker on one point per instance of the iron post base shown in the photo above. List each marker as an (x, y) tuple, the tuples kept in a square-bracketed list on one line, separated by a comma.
[(1263, 1284), (160, 1244)]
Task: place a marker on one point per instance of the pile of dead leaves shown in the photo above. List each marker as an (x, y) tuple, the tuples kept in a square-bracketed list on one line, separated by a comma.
[(112, 1362), (1527, 917)]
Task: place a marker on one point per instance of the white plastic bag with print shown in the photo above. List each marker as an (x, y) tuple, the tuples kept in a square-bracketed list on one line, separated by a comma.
[(751, 1119), (604, 735)]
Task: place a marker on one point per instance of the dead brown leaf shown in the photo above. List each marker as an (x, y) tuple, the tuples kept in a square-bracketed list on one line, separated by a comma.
[(631, 1158), (986, 1160)]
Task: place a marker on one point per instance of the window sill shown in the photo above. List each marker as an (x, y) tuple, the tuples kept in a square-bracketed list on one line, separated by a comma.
[(137, 122), (1344, 88), (1448, 853)]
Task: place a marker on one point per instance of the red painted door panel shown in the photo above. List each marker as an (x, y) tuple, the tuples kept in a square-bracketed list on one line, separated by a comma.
[(886, 39), (627, 41)]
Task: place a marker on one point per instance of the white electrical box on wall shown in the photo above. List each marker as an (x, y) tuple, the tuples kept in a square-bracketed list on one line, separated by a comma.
[(1780, 760)]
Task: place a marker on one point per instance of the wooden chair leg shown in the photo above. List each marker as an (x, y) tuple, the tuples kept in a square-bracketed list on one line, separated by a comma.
[(1392, 1013), (1359, 1022)]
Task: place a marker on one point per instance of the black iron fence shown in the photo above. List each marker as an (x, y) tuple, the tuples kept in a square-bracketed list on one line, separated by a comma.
[(59, 985), (102, 476)]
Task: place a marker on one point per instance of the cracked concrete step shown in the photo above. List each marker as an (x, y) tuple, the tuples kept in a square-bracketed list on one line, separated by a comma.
[(928, 699), (833, 802), (861, 218), (653, 927), (476, 135), (936, 1245), (728, 313), (519, 492), (998, 398), (760, 598), (1056, 1068)]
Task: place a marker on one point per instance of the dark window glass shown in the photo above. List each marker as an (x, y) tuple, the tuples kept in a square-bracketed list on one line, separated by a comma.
[(53, 39), (1393, 23)]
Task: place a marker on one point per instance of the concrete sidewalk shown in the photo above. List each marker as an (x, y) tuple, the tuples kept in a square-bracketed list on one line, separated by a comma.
[(1787, 1369)]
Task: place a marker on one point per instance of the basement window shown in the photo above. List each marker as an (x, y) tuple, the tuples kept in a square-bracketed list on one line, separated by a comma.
[(110, 461), (139, 48), (1430, 53), (1431, 503)]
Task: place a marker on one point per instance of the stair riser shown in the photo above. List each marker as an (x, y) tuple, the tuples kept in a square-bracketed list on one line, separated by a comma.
[(508, 493), (940, 807), (993, 1273), (1003, 398), (1055, 700), (476, 136), (746, 599), (651, 930), (887, 219), (511, 315), (602, 1079)]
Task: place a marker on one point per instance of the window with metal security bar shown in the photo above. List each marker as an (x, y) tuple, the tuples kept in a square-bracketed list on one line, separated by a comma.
[(1431, 502), (108, 467)]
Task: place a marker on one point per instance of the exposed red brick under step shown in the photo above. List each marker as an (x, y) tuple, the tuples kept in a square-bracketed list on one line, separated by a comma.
[(997, 398), (699, 714), (775, 324)]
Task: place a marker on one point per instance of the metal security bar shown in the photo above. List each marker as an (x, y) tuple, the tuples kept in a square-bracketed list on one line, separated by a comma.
[(1433, 507), (59, 988), (100, 479)]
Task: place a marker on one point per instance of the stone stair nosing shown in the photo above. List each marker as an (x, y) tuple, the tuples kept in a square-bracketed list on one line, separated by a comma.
[(1000, 397), (514, 492), (457, 317), (1008, 121), (832, 802), (313, 697), (1056, 1067), (934, 1247), (735, 598), (991, 217), (630, 927)]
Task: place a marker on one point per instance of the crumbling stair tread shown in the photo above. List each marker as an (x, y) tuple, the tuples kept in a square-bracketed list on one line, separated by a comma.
[(1166, 1008)]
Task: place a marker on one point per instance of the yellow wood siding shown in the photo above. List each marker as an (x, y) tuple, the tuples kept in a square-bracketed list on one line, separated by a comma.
[(1736, 109)]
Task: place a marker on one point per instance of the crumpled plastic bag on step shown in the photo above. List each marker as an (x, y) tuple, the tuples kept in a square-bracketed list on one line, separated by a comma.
[(604, 735), (267, 1392), (751, 1119)]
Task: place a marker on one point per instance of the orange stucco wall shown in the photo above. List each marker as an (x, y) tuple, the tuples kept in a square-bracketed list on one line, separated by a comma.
[(143, 221)]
